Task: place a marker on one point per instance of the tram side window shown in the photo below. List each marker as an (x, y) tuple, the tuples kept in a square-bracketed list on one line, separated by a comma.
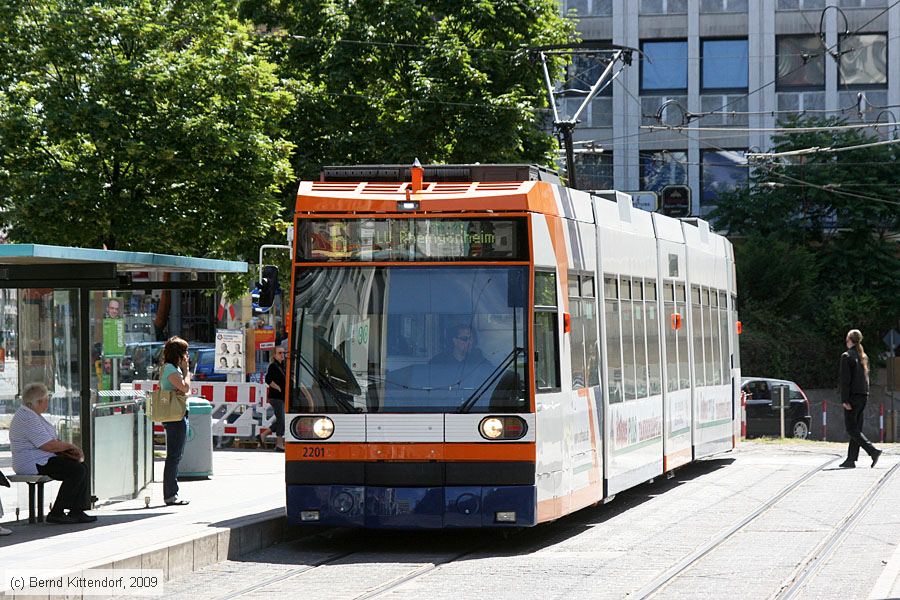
[(628, 363), (684, 373), (733, 322), (713, 350), (640, 340), (697, 336), (613, 340), (576, 335), (546, 333), (671, 338), (726, 337), (592, 348), (583, 338), (653, 347)]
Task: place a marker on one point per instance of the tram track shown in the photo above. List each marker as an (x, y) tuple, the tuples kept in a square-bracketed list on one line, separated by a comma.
[(373, 591), (688, 561), (827, 547)]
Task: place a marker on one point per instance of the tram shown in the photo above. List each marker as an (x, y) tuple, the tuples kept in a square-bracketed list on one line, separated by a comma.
[(480, 346)]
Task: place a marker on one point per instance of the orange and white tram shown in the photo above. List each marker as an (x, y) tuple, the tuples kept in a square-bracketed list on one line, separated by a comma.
[(478, 346)]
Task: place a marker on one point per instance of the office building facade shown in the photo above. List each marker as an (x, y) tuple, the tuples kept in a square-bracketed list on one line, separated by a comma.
[(744, 65)]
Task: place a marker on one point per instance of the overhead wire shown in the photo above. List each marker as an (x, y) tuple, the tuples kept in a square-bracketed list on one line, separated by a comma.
[(808, 184)]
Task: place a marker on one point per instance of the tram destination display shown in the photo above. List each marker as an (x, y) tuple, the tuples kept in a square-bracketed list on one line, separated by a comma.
[(412, 239)]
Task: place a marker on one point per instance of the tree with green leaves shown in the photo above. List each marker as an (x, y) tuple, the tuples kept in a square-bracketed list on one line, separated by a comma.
[(391, 81), (817, 249), (141, 125)]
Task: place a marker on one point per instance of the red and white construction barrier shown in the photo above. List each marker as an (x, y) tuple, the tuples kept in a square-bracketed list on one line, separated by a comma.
[(233, 406)]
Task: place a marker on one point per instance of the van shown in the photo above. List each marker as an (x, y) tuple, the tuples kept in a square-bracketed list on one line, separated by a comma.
[(763, 414)]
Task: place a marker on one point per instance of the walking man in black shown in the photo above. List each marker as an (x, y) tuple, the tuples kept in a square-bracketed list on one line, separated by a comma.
[(854, 394)]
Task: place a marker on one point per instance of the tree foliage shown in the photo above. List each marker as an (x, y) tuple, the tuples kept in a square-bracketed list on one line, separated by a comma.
[(817, 251), (393, 80), (139, 124)]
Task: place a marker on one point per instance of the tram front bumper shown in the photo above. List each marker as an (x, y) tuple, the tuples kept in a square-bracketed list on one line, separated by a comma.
[(412, 507)]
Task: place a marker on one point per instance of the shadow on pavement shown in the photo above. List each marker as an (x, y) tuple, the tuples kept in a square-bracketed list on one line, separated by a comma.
[(386, 545), (22, 531)]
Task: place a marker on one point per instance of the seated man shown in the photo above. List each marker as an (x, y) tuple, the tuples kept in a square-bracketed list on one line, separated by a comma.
[(36, 450)]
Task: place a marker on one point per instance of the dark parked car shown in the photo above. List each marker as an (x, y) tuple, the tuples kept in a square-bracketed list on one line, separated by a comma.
[(763, 415), (194, 350), (204, 366)]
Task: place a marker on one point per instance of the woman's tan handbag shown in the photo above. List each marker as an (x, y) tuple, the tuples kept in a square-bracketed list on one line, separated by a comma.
[(167, 405)]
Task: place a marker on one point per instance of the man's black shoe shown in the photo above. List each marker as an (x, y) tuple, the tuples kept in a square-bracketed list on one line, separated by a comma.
[(847, 465), (81, 516), (61, 519), (875, 458)]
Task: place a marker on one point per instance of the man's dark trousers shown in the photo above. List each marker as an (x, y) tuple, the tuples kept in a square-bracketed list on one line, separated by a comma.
[(73, 493), (853, 421)]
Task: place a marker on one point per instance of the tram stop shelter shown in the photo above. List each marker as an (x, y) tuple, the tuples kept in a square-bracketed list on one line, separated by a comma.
[(87, 323)]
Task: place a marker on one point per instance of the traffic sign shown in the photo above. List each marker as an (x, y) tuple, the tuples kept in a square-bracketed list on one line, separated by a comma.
[(648, 201), (892, 339), (675, 201)]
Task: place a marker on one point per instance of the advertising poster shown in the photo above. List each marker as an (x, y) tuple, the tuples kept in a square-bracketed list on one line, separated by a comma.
[(229, 351), (113, 329)]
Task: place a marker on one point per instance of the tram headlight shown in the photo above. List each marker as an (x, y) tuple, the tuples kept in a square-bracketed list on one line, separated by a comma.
[(502, 428), (312, 428)]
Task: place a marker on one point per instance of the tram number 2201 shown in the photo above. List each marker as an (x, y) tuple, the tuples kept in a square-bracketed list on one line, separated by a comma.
[(313, 452)]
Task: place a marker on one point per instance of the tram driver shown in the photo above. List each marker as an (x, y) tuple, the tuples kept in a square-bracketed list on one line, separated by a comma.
[(461, 367)]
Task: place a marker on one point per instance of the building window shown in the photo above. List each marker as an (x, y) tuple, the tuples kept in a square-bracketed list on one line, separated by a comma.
[(659, 169), (864, 59), (579, 7), (862, 3), (583, 71), (722, 6), (725, 65), (663, 7), (801, 62), (595, 170), (590, 8), (720, 171), (800, 4), (666, 69)]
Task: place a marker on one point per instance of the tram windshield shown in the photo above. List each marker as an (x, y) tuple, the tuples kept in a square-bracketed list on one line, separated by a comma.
[(409, 339)]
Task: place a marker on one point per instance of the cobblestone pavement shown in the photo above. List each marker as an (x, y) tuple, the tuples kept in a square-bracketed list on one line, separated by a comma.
[(696, 527)]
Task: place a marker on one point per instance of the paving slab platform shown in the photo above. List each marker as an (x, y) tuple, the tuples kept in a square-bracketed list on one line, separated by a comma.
[(238, 510)]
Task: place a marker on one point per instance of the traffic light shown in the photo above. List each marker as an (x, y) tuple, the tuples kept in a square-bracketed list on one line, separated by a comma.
[(267, 286), (675, 201)]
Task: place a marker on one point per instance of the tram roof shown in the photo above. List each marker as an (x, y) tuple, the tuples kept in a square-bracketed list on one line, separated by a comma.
[(445, 188), (439, 173), (124, 261)]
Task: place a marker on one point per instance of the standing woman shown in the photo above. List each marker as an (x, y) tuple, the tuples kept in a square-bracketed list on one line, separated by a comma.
[(176, 376), (854, 394), (275, 378)]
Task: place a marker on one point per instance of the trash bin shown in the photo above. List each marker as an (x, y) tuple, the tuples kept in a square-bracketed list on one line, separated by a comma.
[(197, 458)]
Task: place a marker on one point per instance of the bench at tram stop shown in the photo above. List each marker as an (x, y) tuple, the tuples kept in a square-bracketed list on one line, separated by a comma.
[(35, 484)]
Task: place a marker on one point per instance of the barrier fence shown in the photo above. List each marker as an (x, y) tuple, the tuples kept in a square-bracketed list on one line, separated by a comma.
[(239, 409)]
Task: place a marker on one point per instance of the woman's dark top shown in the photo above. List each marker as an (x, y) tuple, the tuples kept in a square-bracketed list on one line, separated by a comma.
[(275, 374), (854, 381)]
